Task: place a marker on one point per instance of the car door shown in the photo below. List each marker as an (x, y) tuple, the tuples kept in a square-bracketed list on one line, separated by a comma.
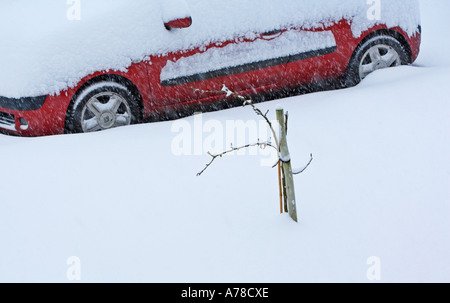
[(314, 58), (242, 65)]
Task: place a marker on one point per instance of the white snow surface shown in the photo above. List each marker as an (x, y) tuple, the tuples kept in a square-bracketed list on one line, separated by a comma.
[(131, 211), (43, 51)]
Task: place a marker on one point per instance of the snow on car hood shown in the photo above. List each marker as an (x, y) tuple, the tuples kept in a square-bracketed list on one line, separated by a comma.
[(44, 51)]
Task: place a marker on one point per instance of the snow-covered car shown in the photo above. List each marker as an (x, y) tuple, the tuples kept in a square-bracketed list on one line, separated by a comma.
[(111, 63)]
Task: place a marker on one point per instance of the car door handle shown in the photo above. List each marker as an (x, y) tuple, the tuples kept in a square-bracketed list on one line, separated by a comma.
[(271, 35)]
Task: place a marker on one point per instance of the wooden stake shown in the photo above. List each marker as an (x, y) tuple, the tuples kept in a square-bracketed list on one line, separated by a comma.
[(287, 169), (279, 188), (283, 181)]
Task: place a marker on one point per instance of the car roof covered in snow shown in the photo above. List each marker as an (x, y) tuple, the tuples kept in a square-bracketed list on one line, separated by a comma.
[(50, 45)]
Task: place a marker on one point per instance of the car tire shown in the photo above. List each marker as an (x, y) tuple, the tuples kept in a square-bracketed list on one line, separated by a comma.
[(102, 106), (376, 53)]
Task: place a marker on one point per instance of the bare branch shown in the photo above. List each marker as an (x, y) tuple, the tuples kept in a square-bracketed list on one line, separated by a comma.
[(297, 172), (277, 163), (286, 117), (233, 149), (228, 92)]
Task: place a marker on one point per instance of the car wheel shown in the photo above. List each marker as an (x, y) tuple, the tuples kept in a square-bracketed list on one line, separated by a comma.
[(377, 53), (101, 106)]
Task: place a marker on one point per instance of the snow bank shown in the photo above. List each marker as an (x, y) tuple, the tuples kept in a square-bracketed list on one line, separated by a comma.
[(43, 50)]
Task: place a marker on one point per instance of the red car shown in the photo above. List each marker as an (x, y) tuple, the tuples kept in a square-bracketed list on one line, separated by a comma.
[(292, 57)]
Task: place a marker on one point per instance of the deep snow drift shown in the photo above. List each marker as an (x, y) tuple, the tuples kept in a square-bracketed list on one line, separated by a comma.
[(131, 210), (43, 51)]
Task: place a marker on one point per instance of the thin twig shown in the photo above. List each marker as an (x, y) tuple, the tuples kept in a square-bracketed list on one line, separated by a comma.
[(233, 149), (228, 92), (286, 117), (307, 165)]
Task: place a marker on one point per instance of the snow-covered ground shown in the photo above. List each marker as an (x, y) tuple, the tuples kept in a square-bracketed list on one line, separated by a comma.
[(131, 210)]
